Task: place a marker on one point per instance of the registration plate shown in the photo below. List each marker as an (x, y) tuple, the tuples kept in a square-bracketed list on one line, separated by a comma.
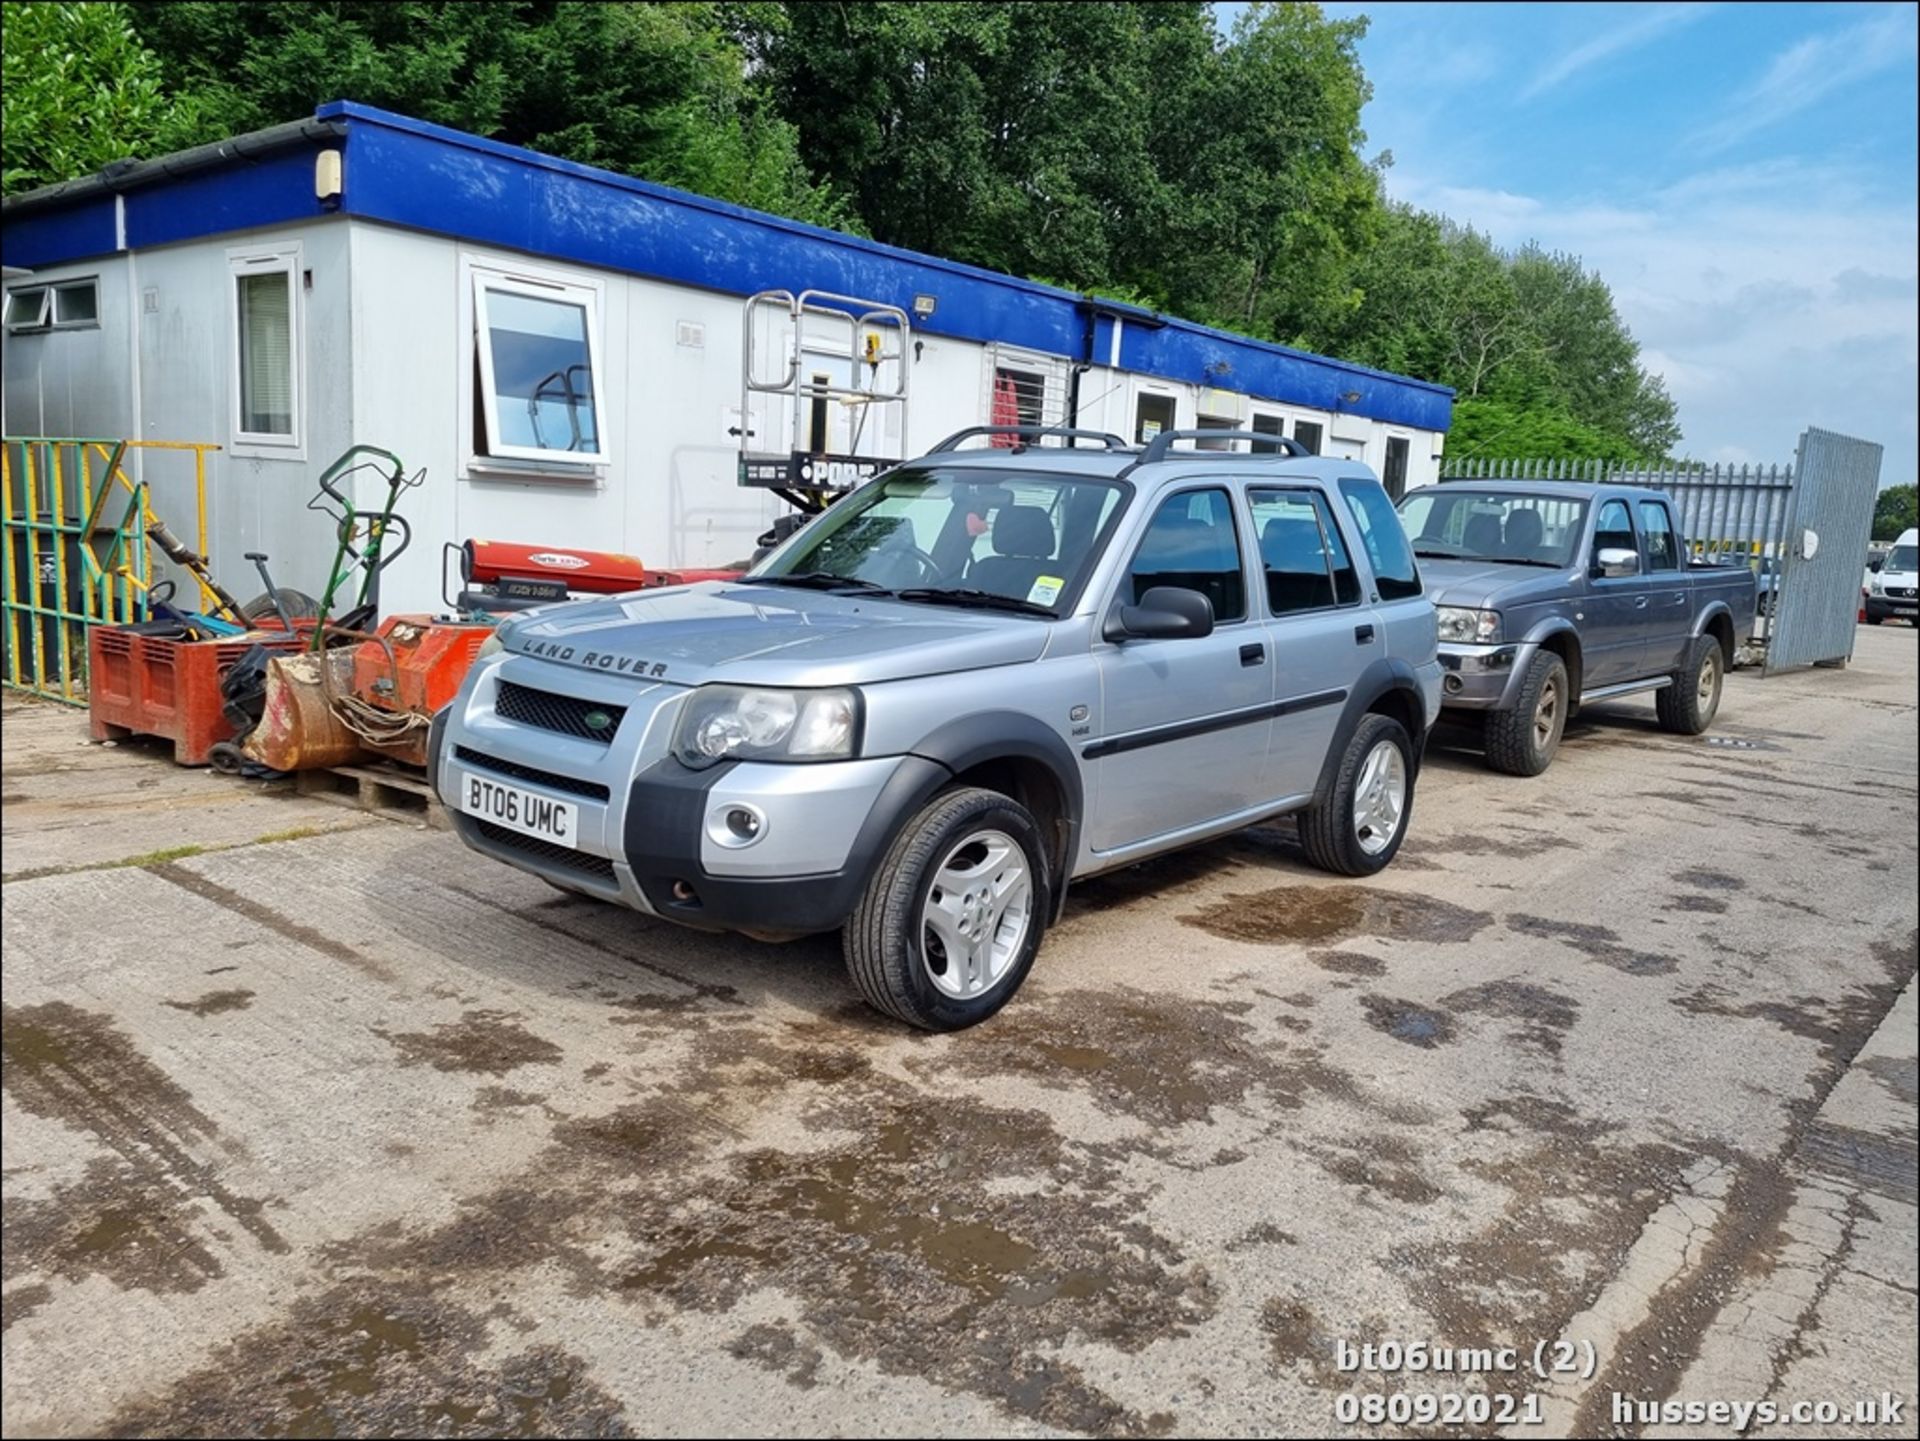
[(520, 810)]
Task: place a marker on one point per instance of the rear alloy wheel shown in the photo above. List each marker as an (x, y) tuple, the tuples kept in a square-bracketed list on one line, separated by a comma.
[(1523, 739), (949, 923), (1687, 707), (1356, 828)]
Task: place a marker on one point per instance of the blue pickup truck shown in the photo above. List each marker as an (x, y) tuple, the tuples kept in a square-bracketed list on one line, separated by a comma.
[(1554, 594)]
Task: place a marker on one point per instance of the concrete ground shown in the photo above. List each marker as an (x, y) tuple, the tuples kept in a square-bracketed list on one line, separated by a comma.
[(316, 1123)]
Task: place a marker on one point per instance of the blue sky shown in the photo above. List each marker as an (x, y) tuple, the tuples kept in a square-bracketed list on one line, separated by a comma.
[(1743, 175)]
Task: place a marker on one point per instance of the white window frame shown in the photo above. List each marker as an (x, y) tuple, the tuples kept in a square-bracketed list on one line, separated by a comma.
[(58, 288), (39, 322), (516, 280), (269, 260)]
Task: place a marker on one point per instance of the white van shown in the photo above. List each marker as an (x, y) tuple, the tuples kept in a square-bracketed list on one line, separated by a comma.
[(1891, 589)]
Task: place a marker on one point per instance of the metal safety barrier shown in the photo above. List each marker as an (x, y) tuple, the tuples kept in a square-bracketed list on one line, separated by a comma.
[(73, 524)]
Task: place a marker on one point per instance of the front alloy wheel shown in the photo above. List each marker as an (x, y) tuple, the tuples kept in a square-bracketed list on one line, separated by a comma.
[(976, 915)]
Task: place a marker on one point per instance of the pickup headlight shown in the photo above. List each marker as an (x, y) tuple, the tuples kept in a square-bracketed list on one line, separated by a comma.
[(1463, 626), (747, 723)]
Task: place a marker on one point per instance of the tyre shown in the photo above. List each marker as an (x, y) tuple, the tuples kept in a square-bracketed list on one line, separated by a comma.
[(948, 924), (1522, 740), (1687, 707), (300, 605), (1873, 619), (1356, 828)]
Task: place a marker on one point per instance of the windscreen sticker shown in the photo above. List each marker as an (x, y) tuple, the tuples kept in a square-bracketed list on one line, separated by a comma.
[(1046, 590)]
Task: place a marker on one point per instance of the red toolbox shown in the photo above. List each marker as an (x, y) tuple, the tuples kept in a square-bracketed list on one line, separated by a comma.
[(144, 685)]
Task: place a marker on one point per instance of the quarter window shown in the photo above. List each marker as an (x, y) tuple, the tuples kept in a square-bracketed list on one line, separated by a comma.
[(538, 348), (1663, 549), (1395, 576), (266, 349), (1193, 543)]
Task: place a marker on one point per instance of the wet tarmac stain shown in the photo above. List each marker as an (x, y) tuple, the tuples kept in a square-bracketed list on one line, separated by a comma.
[(364, 1360), (780, 1350), (1297, 1337), (1262, 1233), (1404, 1021), (22, 1301), (1703, 905), (484, 1042), (1901, 1076), (1319, 914), (1348, 963), (73, 1066), (215, 1003), (1545, 1014), (115, 1222), (1708, 880), (1597, 943), (1521, 845)]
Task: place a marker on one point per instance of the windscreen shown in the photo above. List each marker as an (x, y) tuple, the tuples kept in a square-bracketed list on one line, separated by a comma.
[(1448, 523)]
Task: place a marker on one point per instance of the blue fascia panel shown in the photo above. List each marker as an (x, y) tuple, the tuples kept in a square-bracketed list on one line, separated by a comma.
[(245, 196), (54, 237)]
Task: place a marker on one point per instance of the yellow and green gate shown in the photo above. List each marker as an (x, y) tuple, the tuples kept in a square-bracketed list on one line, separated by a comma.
[(74, 525)]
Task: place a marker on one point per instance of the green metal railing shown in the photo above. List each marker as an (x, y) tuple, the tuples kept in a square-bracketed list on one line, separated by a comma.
[(76, 553)]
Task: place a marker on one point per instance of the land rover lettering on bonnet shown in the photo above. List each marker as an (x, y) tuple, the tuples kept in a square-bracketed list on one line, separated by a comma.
[(983, 675)]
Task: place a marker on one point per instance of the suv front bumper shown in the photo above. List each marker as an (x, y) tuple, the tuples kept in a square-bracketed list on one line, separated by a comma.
[(651, 833), (1483, 677)]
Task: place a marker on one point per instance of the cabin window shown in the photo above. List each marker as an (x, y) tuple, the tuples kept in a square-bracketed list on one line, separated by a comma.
[(76, 304), (266, 337), (537, 346), (27, 308)]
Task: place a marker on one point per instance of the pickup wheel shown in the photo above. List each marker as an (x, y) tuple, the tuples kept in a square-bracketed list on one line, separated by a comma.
[(1357, 827), (947, 927), (1688, 706), (1523, 740)]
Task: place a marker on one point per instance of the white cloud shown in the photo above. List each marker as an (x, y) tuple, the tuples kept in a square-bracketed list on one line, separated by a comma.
[(1810, 70), (1654, 21)]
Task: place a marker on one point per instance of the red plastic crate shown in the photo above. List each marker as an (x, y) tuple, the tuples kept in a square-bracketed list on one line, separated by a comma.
[(144, 685)]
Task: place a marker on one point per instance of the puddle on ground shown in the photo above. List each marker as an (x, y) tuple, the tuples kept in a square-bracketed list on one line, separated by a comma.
[(1318, 914), (215, 1003), (1598, 943), (74, 1066), (1417, 1025), (1545, 1015), (484, 1042), (366, 1360)]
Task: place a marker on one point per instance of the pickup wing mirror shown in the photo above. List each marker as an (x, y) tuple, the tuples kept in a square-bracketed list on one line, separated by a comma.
[(1611, 563), (1166, 612)]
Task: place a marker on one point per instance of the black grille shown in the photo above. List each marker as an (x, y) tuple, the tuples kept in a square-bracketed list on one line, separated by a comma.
[(1904, 592), (593, 790), (599, 867), (563, 713)]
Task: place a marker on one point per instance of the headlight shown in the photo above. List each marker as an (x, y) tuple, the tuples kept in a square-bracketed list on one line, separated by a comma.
[(1878, 587), (731, 722), (492, 645), (1460, 625)]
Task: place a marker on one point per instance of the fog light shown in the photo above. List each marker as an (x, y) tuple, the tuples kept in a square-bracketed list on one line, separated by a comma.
[(1454, 685), (736, 825)]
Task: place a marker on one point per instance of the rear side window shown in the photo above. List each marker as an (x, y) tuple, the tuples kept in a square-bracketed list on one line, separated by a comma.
[(1193, 543), (1394, 573), (1304, 560), (1663, 550)]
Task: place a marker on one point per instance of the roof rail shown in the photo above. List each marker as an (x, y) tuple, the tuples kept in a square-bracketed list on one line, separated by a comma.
[(1029, 433), (1161, 444)]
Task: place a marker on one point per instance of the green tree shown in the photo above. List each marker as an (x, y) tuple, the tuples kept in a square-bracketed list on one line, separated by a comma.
[(658, 91), (1896, 510), (79, 91)]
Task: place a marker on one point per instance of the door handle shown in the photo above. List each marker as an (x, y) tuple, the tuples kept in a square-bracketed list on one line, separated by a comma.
[(1639, 602), (1363, 635), (1252, 654)]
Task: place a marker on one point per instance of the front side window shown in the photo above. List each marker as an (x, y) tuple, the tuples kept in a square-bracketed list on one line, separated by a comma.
[(539, 381), (1306, 562), (1451, 522), (1024, 540), (1663, 550), (1615, 529), (266, 350), (1395, 576), (1193, 543)]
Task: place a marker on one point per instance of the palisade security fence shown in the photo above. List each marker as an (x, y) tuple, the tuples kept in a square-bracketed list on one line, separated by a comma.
[(1804, 539), (73, 527)]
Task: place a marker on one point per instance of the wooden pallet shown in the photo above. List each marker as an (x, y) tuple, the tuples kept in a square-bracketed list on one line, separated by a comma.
[(398, 792)]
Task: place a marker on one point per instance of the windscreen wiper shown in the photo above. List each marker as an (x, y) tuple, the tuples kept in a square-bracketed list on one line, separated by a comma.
[(819, 580), (965, 595)]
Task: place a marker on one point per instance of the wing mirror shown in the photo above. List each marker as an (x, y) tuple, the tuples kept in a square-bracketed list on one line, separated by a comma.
[(1611, 563), (1165, 612)]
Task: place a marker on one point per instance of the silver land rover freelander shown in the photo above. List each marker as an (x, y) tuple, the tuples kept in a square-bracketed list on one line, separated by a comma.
[(981, 675)]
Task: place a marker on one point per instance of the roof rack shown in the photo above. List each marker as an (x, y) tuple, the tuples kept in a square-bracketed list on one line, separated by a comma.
[(1030, 433), (1161, 444)]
